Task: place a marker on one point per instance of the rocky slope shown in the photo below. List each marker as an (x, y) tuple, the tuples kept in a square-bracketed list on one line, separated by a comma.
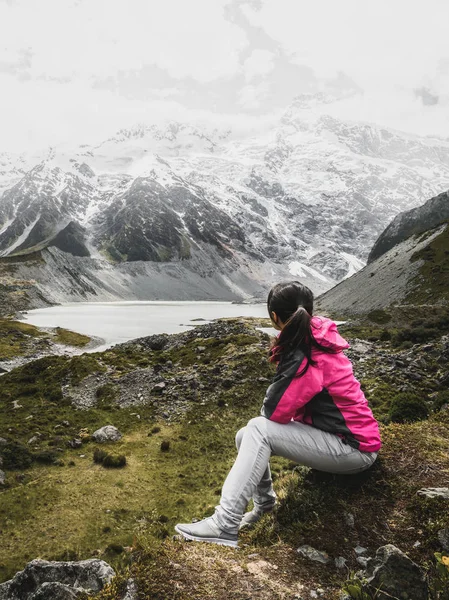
[(306, 196), (412, 268), (412, 222)]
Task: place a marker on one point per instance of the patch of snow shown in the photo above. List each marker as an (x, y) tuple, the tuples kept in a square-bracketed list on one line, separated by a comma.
[(21, 238)]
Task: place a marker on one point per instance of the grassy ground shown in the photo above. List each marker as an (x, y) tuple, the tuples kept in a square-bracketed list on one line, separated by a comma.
[(73, 508), (15, 338), (19, 339)]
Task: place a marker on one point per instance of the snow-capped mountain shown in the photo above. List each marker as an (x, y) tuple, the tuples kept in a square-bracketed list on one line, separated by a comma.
[(306, 196)]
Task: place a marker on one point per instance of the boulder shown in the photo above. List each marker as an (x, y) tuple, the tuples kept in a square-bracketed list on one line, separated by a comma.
[(56, 591), (108, 433), (73, 577), (394, 575)]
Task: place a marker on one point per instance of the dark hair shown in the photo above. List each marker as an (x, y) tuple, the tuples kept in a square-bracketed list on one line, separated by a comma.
[(293, 304)]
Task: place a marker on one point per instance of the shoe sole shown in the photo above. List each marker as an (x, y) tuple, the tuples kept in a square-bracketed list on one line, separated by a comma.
[(193, 538)]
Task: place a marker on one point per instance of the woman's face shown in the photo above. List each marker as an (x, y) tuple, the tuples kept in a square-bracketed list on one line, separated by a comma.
[(277, 323)]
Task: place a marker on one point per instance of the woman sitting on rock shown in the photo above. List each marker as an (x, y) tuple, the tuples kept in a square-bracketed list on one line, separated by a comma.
[(314, 413)]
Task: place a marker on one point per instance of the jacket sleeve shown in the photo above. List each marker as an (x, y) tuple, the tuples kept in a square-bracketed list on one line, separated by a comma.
[(287, 393)]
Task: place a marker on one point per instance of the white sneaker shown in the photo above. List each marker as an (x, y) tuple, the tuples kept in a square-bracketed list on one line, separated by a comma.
[(250, 518), (207, 531)]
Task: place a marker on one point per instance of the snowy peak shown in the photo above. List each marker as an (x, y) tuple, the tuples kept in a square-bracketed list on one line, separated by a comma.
[(309, 194)]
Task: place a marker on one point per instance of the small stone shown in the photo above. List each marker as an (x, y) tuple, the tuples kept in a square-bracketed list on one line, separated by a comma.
[(159, 387), (131, 590), (362, 561), (108, 433), (443, 538), (312, 554), (349, 519), (360, 550), (3, 442), (76, 443), (340, 562), (2, 477), (442, 492), (417, 544)]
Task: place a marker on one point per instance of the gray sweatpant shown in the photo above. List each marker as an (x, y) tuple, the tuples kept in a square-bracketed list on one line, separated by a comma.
[(250, 476)]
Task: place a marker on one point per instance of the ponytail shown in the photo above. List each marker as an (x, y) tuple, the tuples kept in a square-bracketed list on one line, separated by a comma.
[(297, 330)]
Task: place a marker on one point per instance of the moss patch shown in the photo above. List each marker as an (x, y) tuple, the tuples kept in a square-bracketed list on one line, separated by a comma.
[(15, 338), (71, 338)]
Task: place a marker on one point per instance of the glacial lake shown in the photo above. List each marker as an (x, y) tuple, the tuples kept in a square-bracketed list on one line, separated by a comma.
[(117, 322)]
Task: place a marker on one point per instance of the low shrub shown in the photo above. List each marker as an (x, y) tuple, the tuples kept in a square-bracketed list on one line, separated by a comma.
[(99, 455), (407, 408), (112, 461), (46, 457), (385, 336), (16, 456)]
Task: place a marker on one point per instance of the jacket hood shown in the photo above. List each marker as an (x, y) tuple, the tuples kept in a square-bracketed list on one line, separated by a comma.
[(325, 332)]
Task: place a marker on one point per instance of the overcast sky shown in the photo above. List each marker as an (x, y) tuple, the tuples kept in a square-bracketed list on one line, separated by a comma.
[(78, 70)]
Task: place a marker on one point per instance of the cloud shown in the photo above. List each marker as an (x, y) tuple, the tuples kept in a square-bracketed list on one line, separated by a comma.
[(98, 38), (78, 70), (260, 62), (383, 43)]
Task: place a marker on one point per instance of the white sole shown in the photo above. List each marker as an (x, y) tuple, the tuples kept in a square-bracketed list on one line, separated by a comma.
[(219, 541)]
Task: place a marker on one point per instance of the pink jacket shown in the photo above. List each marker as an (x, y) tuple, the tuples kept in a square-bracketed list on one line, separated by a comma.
[(327, 396)]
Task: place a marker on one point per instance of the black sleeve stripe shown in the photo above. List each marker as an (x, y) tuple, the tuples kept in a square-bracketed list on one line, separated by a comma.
[(287, 369)]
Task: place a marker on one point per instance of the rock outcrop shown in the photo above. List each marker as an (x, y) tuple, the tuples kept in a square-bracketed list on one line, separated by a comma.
[(391, 574), (44, 580)]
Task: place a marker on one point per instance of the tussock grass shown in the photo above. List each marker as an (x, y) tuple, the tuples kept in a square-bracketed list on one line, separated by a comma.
[(70, 338)]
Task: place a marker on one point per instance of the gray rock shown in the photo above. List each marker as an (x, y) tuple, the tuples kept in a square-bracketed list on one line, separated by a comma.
[(312, 554), (442, 492), (360, 550), (443, 538), (84, 575), (131, 590), (340, 562), (393, 574), (3, 442), (108, 433), (56, 591), (362, 561), (2, 477), (349, 519), (158, 387)]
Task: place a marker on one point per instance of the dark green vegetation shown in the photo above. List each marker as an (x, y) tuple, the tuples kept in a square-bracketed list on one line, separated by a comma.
[(102, 457), (431, 285), (178, 439), (417, 221)]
